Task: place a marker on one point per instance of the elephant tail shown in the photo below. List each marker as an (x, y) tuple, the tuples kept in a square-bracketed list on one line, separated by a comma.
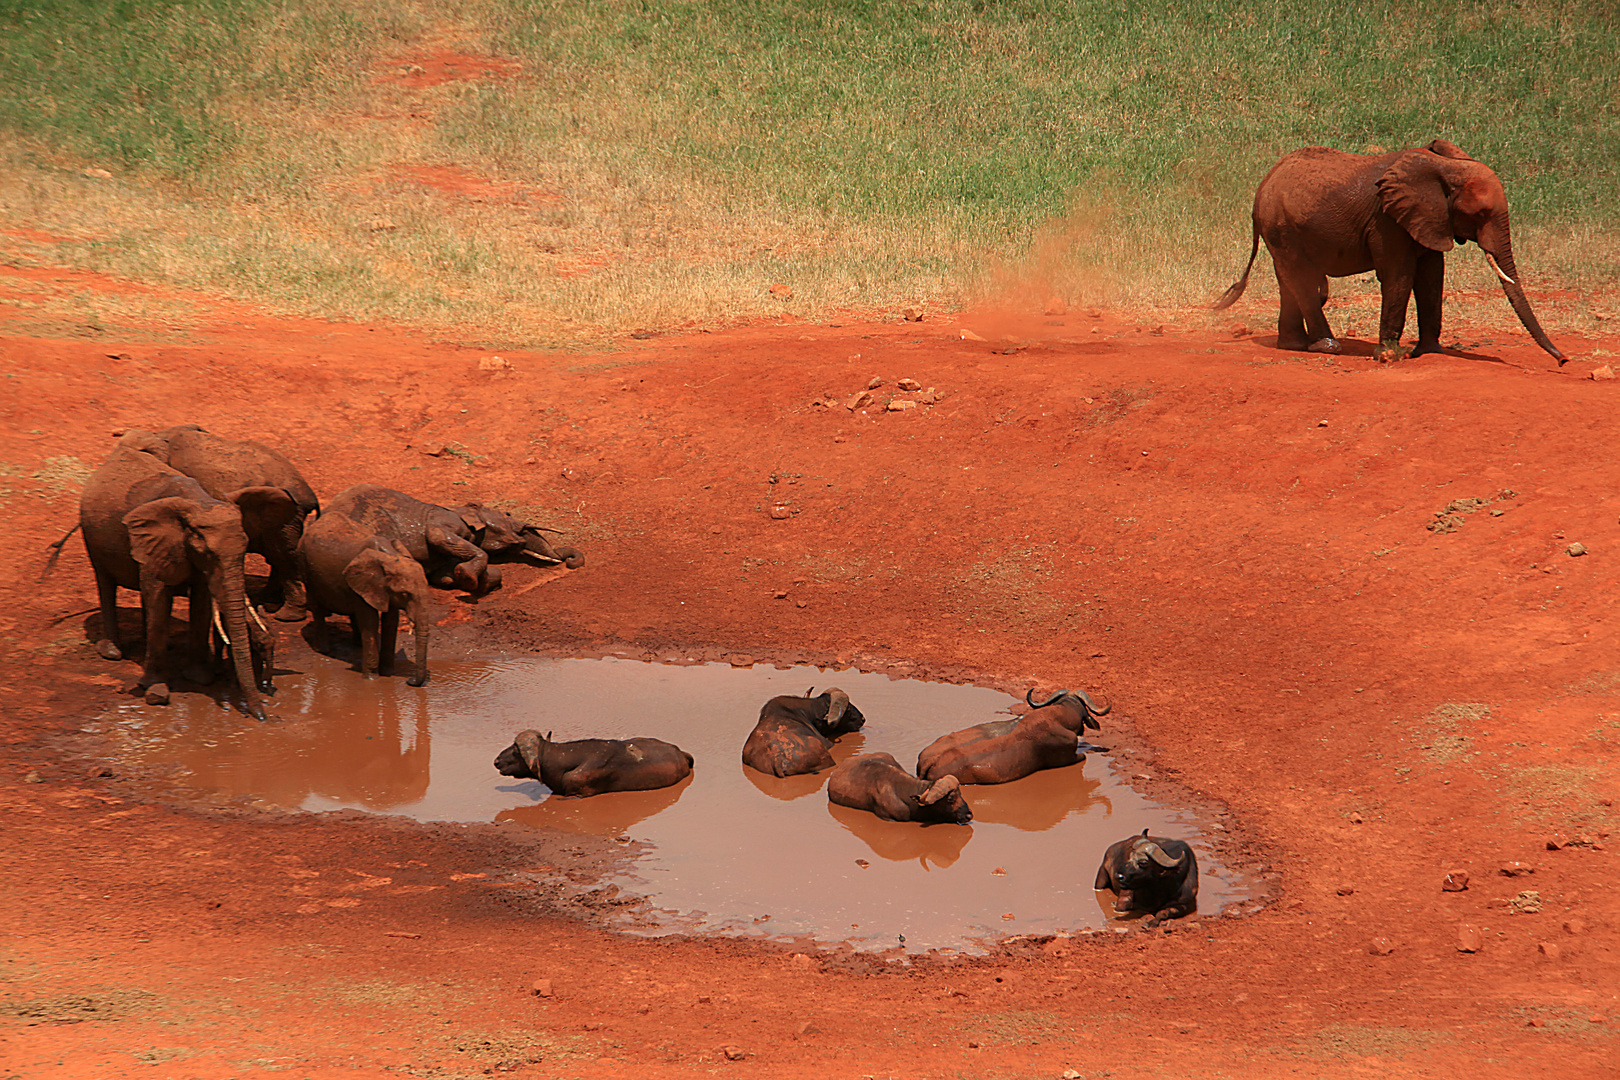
[(56, 553), (1230, 296)]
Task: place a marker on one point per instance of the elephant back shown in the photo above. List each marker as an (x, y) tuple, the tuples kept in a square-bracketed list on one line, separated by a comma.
[(222, 466)]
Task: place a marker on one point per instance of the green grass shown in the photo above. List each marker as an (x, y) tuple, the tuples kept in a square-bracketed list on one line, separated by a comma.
[(664, 162)]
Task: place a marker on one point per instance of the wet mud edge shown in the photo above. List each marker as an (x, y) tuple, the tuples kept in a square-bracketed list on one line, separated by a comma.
[(555, 874)]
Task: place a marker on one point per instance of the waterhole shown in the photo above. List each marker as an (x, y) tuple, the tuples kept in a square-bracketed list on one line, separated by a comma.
[(730, 850)]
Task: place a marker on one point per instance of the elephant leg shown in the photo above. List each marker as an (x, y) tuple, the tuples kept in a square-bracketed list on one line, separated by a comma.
[(1395, 286), (1301, 289), (157, 602), (107, 646), (281, 554), (389, 642), (199, 667), (472, 562), (366, 622), (1428, 282)]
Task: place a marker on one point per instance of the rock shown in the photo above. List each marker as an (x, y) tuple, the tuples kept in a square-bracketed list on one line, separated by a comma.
[(98, 771), (800, 960), (968, 335), (1516, 869), (801, 603), (733, 1053), (900, 406), (1055, 306), (542, 988), (909, 384), (930, 396), (912, 313), (1346, 890), (1380, 946), (1575, 550), (1549, 950), (1574, 925), (571, 474), (1557, 841), (33, 778), (1602, 374), (782, 292), (807, 1028), (1070, 1074), (741, 660), (382, 224), (1355, 817), (780, 513), (1238, 330), (1009, 916), (862, 863), (858, 400), (494, 363), (1158, 331), (410, 934), (998, 872), (432, 449), (705, 999), (1456, 881), (1527, 902), (1469, 939), (1538, 1022), (98, 174)]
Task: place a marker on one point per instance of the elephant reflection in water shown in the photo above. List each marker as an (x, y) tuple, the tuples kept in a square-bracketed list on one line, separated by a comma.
[(608, 814), (1041, 800), (902, 841)]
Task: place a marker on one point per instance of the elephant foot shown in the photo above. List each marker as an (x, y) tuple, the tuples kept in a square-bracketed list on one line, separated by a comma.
[(108, 651), (1425, 347), (291, 611), (417, 680), (1389, 351), (1326, 345), (157, 694)]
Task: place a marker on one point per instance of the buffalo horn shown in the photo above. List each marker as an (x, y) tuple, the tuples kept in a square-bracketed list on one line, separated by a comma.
[(837, 702), (940, 789), (528, 744), (1091, 705), (1160, 856), (1029, 698), (810, 692)]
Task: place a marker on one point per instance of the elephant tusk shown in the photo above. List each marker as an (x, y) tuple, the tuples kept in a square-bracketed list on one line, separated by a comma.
[(253, 612), (221, 628), (1505, 279)]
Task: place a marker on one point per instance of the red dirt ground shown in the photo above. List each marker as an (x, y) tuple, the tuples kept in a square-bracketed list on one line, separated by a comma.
[(1228, 540)]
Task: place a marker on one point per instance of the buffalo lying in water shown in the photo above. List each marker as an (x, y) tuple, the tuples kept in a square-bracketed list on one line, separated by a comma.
[(877, 783), (1152, 874), (1046, 737), (592, 766), (794, 734)]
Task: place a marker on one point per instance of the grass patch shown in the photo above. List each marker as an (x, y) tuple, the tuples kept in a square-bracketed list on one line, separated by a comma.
[(651, 164), (1023, 1027), (1351, 1041), (1440, 734), (1564, 795)]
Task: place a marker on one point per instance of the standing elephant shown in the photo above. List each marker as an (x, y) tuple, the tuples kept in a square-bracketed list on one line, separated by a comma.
[(148, 527), (223, 465), (350, 570), (1326, 213)]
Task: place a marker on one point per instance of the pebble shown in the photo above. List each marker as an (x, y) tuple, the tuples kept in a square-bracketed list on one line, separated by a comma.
[(1538, 1022), (433, 449), (808, 1028), (901, 406), (780, 513), (1557, 841), (799, 959), (98, 174), (1469, 939), (542, 988), (733, 1053), (1549, 950), (857, 400), (1380, 946), (1055, 306), (1576, 549), (1456, 881), (494, 363), (877, 381), (968, 335), (33, 778), (1526, 903), (909, 384), (1355, 817), (1574, 925), (1516, 869), (1602, 373), (1070, 1074), (1346, 890), (912, 313), (998, 872)]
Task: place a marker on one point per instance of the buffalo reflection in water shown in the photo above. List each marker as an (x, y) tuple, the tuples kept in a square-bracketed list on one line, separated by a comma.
[(610, 814), (788, 788), (1037, 802), (902, 841)]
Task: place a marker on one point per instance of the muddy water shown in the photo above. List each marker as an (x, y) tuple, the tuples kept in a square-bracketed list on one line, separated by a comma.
[(733, 850)]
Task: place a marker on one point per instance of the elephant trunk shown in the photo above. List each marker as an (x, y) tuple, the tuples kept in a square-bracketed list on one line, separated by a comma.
[(1497, 242), (230, 594), (419, 630)]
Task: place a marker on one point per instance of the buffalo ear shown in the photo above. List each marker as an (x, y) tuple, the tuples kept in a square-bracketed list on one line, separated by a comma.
[(264, 509), (157, 539), (940, 789), (1413, 192), (367, 575)]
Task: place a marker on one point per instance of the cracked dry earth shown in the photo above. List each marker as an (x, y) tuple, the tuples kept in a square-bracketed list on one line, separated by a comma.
[(1228, 540)]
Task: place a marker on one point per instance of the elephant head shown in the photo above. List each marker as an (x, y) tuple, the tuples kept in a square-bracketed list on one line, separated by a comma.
[(179, 540), (501, 534), (394, 581), (1443, 197)]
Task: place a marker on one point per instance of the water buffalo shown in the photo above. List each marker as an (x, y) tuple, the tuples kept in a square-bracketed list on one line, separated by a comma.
[(794, 733), (1152, 874), (876, 782), (592, 766), (1046, 737)]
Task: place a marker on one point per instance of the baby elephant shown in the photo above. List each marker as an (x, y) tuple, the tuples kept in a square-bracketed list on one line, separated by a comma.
[(592, 766), (793, 734), (877, 783), (1152, 874)]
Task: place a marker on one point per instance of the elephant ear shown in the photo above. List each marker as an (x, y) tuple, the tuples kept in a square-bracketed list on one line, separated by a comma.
[(472, 515), (1413, 192), (264, 509), (157, 539), (145, 442), (1447, 148), (367, 575)]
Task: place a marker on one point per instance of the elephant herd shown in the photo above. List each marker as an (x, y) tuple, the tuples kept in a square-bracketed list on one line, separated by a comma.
[(794, 736), (175, 513)]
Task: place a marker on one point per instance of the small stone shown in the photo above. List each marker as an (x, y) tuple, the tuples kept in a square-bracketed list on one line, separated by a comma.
[(409, 934), (780, 513), (862, 863), (807, 1028), (800, 960), (1557, 841), (901, 406), (433, 449), (998, 872), (1576, 550), (98, 174), (1070, 1074), (1321, 423), (494, 363), (1158, 331), (973, 1044), (877, 381), (705, 999), (1456, 881), (1516, 869), (779, 594), (1549, 950), (1009, 916), (801, 603), (528, 461), (1355, 817), (930, 396), (382, 224), (858, 400), (1602, 374), (1380, 946), (741, 660), (733, 1053), (912, 313), (542, 988), (1346, 890), (782, 292), (909, 384), (1469, 939), (1055, 306), (1595, 1018), (1527, 902), (1574, 925), (968, 335), (1538, 1022), (98, 771), (33, 778)]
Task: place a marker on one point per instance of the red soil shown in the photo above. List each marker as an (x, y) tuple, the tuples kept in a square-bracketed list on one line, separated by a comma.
[(1227, 540), (444, 66)]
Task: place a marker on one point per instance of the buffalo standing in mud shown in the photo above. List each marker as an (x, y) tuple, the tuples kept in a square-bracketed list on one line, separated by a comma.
[(1152, 874), (877, 783), (593, 766), (794, 734), (1046, 737)]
